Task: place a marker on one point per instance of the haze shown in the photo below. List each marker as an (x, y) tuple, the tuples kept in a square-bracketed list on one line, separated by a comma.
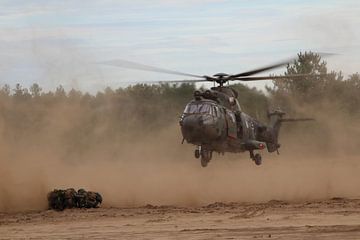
[(58, 42)]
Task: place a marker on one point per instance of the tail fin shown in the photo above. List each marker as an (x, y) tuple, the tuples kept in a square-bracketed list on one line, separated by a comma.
[(273, 129)]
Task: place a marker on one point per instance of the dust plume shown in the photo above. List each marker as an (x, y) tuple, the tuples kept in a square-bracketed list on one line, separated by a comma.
[(137, 167)]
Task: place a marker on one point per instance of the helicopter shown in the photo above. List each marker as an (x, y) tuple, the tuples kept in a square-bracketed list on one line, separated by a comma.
[(213, 120)]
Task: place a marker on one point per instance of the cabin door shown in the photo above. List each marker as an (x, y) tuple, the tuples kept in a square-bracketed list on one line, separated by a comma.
[(231, 124)]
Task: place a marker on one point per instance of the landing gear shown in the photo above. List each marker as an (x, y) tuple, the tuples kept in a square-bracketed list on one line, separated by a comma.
[(197, 153), (204, 155), (204, 162), (256, 158)]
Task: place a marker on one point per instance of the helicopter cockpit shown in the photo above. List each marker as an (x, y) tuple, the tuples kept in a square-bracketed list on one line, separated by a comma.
[(200, 122), (201, 108)]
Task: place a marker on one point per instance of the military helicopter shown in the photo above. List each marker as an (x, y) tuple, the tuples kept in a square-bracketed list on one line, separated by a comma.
[(214, 121)]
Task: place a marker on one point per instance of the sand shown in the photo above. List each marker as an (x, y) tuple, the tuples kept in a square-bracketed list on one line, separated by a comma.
[(230, 199), (336, 218)]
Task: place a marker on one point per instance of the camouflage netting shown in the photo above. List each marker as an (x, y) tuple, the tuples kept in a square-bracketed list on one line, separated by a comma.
[(60, 199)]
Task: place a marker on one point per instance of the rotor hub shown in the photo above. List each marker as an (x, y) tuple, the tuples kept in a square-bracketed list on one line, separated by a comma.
[(221, 75)]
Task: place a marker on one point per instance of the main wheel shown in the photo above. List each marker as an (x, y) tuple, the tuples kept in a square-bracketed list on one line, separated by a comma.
[(257, 159), (205, 157), (197, 153), (204, 162)]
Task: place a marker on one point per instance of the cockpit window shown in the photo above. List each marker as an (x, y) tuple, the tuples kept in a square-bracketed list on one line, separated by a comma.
[(198, 108), (214, 111)]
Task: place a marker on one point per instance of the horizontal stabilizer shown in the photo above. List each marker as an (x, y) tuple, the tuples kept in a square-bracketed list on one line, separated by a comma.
[(253, 144), (296, 119)]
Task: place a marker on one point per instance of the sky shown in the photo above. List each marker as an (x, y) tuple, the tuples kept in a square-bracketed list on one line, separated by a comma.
[(62, 42)]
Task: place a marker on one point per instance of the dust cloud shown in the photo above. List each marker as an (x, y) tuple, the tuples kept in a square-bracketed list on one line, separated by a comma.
[(318, 160)]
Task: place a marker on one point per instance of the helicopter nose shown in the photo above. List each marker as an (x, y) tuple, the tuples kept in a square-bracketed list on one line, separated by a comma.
[(192, 123), (198, 128)]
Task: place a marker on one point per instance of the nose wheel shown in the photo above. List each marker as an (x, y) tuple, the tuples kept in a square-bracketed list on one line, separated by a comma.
[(204, 155), (197, 153), (256, 158)]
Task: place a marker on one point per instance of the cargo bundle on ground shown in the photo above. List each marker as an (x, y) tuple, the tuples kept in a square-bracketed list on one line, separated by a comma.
[(61, 199)]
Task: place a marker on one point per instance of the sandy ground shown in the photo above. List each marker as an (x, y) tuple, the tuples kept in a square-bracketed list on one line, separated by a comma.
[(336, 218)]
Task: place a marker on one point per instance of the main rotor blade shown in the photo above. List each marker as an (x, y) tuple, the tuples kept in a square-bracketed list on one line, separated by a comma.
[(169, 81), (276, 77), (263, 69), (272, 66), (143, 67), (185, 81), (164, 81)]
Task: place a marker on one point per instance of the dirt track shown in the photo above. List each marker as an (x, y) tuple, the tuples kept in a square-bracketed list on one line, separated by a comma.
[(331, 219)]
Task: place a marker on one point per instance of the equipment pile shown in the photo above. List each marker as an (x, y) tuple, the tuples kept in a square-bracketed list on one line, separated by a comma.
[(60, 199)]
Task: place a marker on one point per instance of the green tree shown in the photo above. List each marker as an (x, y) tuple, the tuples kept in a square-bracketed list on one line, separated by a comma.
[(60, 92), (306, 88), (5, 90), (21, 93), (35, 90), (329, 89)]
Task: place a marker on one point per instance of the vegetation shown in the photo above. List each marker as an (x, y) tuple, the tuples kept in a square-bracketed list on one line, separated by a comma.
[(34, 117), (146, 106), (328, 91)]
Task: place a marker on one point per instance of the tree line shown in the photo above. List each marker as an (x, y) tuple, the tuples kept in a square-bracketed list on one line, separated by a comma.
[(80, 120)]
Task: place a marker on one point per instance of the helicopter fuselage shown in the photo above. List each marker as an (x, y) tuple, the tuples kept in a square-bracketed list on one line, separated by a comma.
[(217, 128), (214, 122)]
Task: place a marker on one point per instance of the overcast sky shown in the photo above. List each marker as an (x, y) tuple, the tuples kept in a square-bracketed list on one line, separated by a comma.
[(59, 42)]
